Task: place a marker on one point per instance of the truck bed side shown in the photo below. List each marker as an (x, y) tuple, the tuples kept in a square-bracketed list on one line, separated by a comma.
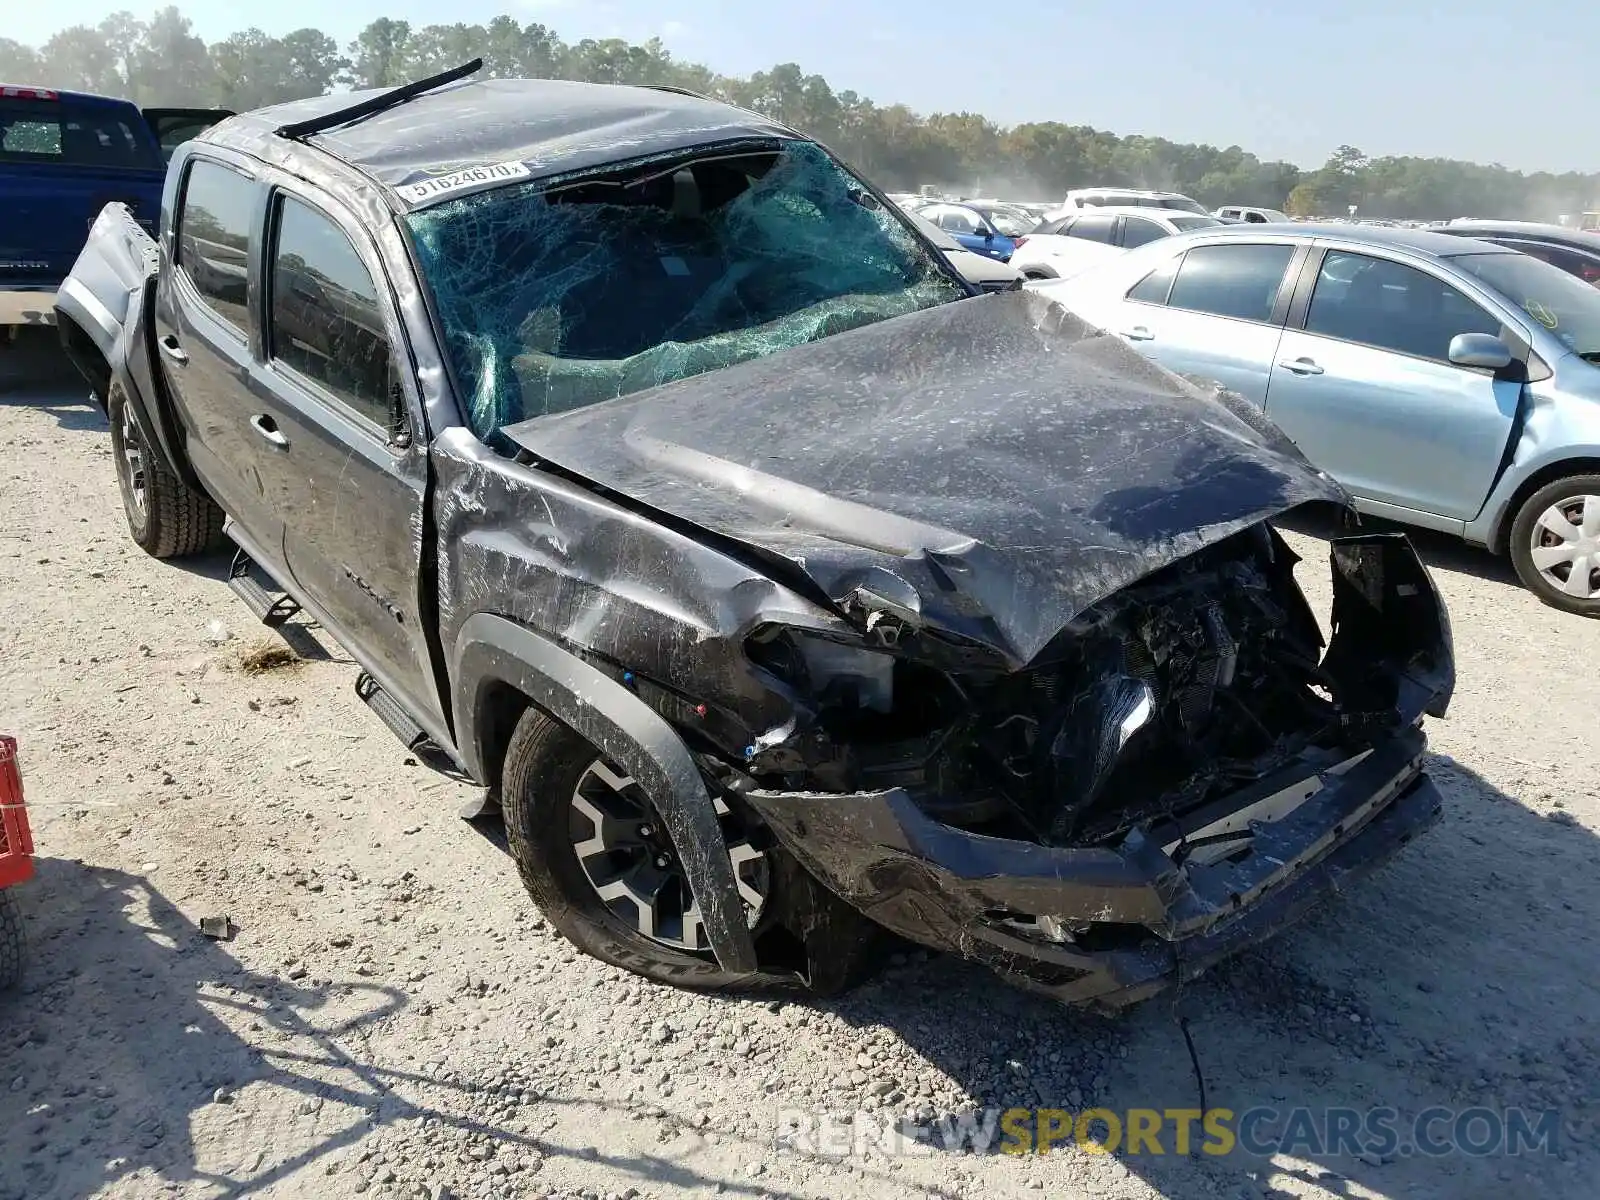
[(104, 313)]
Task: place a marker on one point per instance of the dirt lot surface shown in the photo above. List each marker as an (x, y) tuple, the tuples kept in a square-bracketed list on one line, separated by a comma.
[(393, 1018)]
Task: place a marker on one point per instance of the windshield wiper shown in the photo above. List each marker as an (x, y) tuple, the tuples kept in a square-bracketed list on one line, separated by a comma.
[(300, 130)]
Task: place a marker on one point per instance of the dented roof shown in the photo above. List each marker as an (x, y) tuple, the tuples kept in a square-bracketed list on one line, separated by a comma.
[(550, 126)]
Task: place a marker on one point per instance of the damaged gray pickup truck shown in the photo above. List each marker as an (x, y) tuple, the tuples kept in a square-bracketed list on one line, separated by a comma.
[(780, 588)]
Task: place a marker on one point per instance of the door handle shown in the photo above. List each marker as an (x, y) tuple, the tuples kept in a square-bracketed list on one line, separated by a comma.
[(1138, 334), (169, 347), (1300, 366), (268, 428)]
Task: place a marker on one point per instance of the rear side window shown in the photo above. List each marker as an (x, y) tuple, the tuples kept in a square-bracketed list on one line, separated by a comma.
[(1136, 231), (62, 133), (1153, 288), (1231, 281), (1093, 228), (214, 237), (326, 322)]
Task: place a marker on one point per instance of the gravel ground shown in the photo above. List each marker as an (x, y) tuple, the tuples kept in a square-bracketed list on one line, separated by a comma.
[(394, 1018)]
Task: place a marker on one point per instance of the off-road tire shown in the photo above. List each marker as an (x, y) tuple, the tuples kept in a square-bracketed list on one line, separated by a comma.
[(13, 945), (1521, 547), (543, 764), (174, 519)]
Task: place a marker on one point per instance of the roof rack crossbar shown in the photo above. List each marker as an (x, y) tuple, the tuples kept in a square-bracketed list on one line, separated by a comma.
[(300, 130)]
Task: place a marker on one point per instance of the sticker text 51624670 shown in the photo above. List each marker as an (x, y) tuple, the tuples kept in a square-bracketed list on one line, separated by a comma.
[(456, 181)]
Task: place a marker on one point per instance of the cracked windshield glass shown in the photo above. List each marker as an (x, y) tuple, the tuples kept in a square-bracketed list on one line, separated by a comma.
[(554, 298)]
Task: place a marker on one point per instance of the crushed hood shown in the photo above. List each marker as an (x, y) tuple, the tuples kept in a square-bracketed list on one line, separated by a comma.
[(989, 469)]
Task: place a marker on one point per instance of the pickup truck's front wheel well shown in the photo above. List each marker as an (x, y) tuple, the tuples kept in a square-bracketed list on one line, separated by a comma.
[(84, 355), (500, 708), (1557, 470)]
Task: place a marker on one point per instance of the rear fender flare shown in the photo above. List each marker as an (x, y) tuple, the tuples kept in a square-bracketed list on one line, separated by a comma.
[(493, 650), (137, 371)]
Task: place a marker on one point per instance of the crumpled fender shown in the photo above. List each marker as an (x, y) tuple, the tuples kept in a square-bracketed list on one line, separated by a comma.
[(492, 649)]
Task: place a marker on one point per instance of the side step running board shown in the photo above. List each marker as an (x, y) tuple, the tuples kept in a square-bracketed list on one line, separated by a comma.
[(271, 606), (412, 736)]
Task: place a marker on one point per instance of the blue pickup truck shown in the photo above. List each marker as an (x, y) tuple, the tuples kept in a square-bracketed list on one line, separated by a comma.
[(63, 157)]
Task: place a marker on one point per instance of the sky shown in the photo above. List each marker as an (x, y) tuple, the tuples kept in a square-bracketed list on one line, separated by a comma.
[(1474, 79)]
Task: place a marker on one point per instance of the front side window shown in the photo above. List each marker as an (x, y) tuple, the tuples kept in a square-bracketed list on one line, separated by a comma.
[(214, 227), (1391, 306), (958, 220), (1231, 281), (326, 322), (1136, 231), (1011, 223), (557, 297)]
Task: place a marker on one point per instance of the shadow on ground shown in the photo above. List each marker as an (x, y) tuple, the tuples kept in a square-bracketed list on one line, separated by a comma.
[(1458, 976), (112, 1054), (35, 374)]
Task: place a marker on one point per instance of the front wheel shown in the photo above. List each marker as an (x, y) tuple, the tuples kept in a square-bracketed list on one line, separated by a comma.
[(166, 516), (597, 860), (1555, 544)]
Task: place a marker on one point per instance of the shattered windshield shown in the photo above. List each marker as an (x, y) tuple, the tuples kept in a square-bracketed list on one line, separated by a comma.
[(553, 298)]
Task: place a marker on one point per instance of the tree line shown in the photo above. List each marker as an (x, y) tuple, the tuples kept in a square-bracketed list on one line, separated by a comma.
[(162, 62)]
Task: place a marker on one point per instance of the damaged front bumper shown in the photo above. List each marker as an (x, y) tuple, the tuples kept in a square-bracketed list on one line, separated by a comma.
[(1130, 919), (1111, 923)]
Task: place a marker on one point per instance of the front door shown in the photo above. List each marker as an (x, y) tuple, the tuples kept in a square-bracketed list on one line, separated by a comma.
[(1368, 393), (350, 477)]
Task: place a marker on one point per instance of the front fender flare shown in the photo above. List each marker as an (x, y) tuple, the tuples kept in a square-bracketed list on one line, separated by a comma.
[(492, 649)]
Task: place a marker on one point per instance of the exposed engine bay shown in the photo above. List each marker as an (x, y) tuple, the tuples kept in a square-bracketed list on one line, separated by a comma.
[(1158, 700)]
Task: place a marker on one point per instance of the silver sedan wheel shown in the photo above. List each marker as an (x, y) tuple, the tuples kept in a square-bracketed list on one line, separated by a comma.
[(630, 861), (1566, 547), (132, 464)]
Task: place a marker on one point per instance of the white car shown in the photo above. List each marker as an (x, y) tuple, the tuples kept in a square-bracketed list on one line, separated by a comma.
[(1080, 199), (1245, 214), (1061, 248)]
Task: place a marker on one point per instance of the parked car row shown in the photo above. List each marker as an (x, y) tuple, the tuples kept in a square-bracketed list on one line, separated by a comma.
[(778, 585)]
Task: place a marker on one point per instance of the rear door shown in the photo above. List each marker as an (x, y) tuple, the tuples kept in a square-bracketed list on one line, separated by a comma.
[(342, 467), (1367, 391), (175, 126), (205, 329), (1085, 241), (1216, 313), (61, 161)]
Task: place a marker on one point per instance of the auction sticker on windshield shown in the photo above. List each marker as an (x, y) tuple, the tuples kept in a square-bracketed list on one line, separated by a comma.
[(456, 181)]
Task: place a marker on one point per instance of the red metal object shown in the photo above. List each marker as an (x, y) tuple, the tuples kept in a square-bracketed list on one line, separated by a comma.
[(16, 841)]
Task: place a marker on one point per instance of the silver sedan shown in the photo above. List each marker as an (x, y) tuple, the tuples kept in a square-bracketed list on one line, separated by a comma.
[(1447, 382)]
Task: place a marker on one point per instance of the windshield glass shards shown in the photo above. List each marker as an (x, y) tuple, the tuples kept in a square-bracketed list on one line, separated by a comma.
[(553, 298)]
